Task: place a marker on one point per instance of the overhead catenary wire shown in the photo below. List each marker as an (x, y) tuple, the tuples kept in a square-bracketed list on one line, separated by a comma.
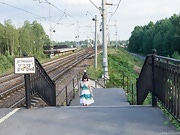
[(94, 4), (22, 10), (58, 22), (114, 11), (117, 7), (65, 13), (60, 10)]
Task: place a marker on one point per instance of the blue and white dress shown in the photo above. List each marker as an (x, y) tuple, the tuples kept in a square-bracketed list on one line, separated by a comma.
[(85, 95)]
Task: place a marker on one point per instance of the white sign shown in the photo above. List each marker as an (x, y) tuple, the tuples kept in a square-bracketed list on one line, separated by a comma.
[(24, 65)]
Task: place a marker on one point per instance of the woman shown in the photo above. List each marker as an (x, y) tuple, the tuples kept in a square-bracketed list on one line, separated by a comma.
[(85, 92)]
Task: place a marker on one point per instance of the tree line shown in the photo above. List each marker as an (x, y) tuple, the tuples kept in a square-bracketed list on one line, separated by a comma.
[(164, 36), (29, 38)]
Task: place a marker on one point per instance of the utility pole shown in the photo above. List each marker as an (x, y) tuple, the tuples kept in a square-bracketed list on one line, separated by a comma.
[(104, 37), (95, 45)]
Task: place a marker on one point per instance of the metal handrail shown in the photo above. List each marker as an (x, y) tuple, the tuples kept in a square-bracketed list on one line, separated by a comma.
[(164, 76)]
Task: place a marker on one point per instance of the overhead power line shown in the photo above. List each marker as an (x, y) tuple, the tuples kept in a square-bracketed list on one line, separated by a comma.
[(22, 10), (114, 11), (60, 10), (94, 4), (64, 12), (58, 22), (117, 7)]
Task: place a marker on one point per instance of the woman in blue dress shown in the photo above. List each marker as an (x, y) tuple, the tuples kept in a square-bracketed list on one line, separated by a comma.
[(85, 92)]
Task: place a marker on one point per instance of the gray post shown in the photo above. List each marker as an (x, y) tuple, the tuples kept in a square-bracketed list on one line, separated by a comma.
[(104, 36), (95, 45)]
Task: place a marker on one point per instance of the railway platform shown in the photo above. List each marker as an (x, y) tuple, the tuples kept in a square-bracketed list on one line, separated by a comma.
[(111, 114)]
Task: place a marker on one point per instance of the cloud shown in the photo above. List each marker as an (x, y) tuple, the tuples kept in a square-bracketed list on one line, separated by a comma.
[(73, 17)]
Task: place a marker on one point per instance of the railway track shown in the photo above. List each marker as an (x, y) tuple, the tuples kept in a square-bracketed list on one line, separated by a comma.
[(12, 91)]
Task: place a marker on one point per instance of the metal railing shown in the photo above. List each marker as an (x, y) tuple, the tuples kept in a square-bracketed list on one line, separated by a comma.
[(67, 93), (122, 81), (161, 77), (41, 84)]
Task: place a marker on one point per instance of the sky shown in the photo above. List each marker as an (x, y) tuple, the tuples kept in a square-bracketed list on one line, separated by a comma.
[(70, 18)]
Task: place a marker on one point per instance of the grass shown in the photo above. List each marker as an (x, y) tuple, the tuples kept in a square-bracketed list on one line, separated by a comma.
[(95, 73), (120, 64)]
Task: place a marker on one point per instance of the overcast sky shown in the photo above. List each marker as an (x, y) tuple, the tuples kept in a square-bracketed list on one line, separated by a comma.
[(70, 18)]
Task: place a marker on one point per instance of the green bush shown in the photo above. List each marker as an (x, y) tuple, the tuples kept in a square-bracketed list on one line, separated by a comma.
[(6, 63)]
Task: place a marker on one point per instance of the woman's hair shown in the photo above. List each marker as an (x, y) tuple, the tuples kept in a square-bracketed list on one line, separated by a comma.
[(85, 77)]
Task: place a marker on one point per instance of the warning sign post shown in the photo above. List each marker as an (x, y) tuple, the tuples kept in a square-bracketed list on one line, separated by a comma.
[(25, 65)]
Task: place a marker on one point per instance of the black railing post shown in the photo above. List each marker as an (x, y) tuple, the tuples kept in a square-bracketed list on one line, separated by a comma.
[(132, 94), (123, 80), (27, 90), (73, 89), (54, 97), (127, 85), (67, 97), (137, 92), (154, 101)]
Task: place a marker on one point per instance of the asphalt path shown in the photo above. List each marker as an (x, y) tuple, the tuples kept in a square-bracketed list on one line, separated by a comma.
[(111, 114)]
